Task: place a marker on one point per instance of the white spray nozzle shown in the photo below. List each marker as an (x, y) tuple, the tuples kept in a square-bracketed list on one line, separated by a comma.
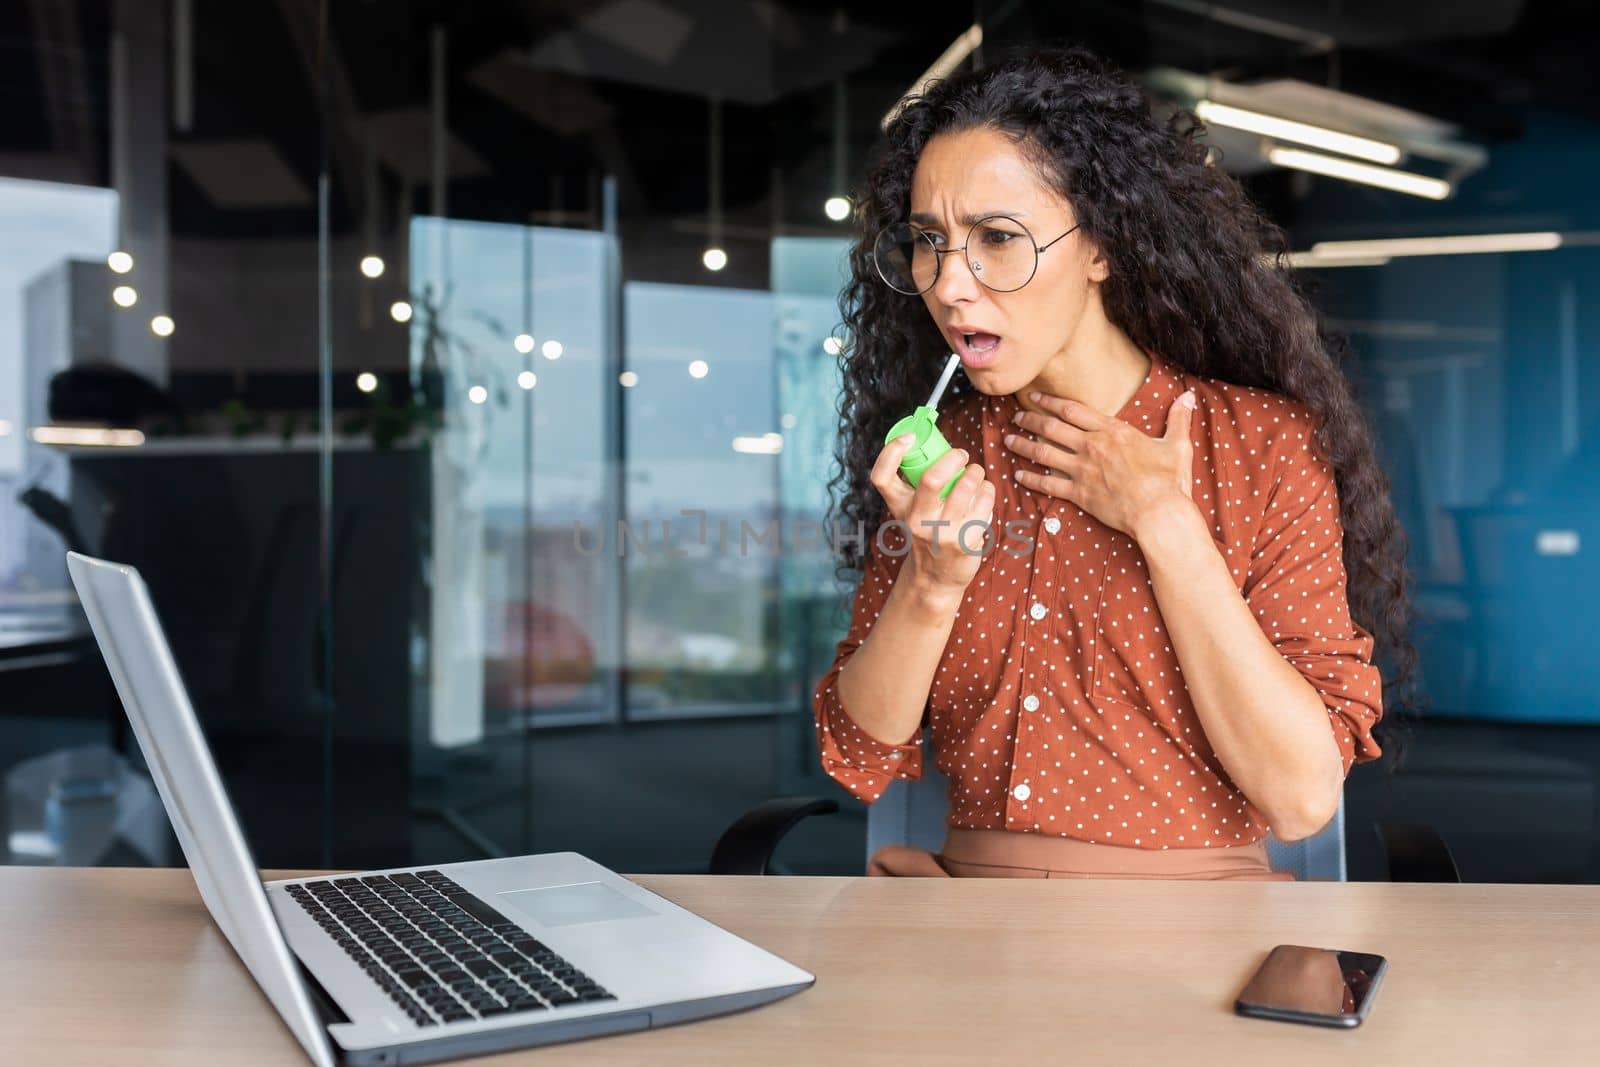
[(950, 366)]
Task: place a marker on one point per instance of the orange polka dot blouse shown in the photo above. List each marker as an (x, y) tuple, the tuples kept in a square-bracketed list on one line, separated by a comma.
[(1059, 706)]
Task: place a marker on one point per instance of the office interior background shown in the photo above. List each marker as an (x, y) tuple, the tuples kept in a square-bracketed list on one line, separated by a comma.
[(359, 326)]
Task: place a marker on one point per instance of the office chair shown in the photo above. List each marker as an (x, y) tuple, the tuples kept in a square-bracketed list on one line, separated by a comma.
[(913, 812)]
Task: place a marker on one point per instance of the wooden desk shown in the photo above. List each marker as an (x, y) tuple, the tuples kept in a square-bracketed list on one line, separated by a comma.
[(122, 967)]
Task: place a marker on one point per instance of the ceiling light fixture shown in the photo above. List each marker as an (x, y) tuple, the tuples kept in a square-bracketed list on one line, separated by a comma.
[(91, 436), (837, 206), (1313, 260), (1240, 118), (1537, 241), (953, 57), (1399, 181), (714, 257), (767, 444)]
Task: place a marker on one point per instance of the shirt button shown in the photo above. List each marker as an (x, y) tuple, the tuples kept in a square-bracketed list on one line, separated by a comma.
[(1052, 525), (1030, 702), (1038, 611), (1022, 792)]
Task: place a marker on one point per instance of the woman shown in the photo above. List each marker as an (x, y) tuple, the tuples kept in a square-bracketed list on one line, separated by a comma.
[(1158, 661)]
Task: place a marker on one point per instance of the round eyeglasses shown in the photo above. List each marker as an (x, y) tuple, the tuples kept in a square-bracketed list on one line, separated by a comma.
[(1005, 257)]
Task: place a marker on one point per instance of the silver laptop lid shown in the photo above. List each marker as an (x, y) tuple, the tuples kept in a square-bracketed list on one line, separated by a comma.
[(130, 637)]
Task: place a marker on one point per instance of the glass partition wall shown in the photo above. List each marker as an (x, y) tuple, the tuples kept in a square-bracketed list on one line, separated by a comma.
[(464, 381)]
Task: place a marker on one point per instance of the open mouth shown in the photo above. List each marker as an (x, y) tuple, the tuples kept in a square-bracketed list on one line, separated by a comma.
[(977, 349)]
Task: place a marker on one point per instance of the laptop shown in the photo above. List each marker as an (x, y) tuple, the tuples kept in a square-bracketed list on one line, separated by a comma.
[(417, 964)]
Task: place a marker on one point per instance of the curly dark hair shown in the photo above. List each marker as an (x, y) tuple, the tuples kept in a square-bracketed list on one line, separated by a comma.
[(1197, 273)]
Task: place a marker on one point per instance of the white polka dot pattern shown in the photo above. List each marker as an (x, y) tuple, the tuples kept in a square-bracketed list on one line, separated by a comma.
[(1059, 706)]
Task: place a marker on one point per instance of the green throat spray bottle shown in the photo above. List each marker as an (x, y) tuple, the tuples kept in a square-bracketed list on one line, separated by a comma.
[(930, 443)]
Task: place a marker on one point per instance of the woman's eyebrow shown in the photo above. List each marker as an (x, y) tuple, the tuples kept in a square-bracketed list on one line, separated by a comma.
[(972, 218)]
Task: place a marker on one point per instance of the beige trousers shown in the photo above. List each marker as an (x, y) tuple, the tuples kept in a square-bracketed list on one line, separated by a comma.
[(1009, 854)]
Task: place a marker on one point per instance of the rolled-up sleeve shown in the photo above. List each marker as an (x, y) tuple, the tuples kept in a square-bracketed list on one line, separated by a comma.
[(1297, 590), (851, 756)]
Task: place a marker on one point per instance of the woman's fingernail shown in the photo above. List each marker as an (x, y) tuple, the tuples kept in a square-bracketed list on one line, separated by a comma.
[(906, 438), (1017, 418), (1010, 437), (1189, 400), (1034, 396)]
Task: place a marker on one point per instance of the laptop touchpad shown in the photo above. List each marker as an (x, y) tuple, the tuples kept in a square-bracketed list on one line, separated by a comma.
[(568, 905)]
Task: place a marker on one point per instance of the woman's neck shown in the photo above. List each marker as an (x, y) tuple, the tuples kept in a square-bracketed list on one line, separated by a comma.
[(1100, 367)]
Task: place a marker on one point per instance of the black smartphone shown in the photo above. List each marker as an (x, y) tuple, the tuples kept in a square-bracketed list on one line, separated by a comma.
[(1320, 986)]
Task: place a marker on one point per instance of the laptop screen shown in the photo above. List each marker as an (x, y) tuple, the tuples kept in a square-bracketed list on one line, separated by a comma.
[(136, 652)]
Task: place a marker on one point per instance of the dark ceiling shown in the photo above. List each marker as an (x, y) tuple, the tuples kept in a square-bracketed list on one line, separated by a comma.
[(545, 95)]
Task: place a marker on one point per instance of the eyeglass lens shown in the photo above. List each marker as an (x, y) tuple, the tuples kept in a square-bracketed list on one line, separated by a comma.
[(1000, 252)]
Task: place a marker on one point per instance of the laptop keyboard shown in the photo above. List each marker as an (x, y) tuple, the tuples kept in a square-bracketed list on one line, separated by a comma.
[(441, 953)]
